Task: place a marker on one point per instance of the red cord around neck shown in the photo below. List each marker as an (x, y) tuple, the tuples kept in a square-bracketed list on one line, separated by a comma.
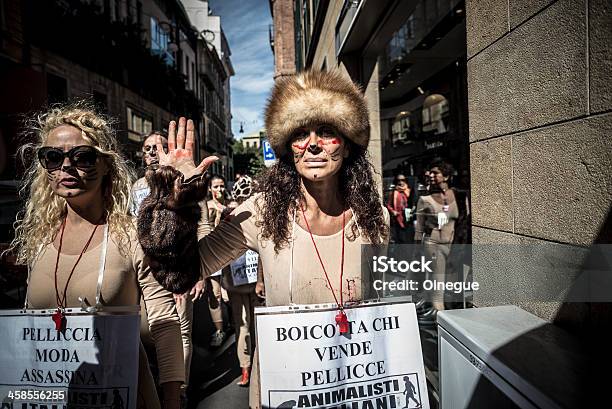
[(341, 303)]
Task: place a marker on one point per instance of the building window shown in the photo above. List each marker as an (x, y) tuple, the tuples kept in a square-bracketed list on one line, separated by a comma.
[(306, 17), (160, 41), (138, 124)]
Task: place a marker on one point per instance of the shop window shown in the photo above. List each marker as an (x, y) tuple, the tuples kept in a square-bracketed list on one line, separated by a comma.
[(435, 112), (400, 129)]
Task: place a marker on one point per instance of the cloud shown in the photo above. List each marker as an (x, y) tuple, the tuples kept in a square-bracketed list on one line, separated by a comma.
[(246, 29), (253, 84)]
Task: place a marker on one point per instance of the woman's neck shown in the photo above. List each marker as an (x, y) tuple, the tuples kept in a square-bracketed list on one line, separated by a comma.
[(219, 201), (443, 187), (92, 212), (323, 196)]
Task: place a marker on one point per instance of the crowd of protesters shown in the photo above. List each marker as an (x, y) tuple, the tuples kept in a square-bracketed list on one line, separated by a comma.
[(261, 242)]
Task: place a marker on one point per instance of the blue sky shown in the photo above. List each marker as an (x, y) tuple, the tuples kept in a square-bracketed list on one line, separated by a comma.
[(245, 24)]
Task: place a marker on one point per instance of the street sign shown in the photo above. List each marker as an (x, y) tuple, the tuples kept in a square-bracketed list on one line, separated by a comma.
[(268, 154)]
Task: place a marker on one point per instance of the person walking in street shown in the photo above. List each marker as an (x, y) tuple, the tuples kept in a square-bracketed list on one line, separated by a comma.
[(241, 290), (184, 302), (140, 188), (216, 294), (401, 206), (316, 207), (77, 214), (437, 214)]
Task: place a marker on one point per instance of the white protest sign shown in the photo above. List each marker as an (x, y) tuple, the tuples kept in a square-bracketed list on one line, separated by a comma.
[(138, 196), (304, 362), (92, 364), (244, 268)]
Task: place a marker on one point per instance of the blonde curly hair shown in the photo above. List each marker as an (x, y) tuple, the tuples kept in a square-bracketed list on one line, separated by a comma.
[(44, 211)]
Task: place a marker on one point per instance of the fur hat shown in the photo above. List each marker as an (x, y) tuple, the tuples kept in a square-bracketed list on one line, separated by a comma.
[(316, 97)]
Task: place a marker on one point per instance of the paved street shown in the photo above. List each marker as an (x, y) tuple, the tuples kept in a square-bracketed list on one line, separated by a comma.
[(214, 372)]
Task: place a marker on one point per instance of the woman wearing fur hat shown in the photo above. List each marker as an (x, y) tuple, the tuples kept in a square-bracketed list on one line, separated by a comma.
[(316, 205)]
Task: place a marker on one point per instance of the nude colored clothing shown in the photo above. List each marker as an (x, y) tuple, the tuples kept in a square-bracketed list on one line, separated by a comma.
[(232, 238), (427, 227), (243, 314), (125, 279), (140, 189)]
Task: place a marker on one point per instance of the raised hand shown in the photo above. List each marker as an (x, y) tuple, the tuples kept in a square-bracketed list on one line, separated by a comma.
[(180, 149)]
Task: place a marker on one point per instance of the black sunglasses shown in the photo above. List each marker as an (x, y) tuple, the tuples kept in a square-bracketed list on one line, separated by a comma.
[(81, 157), (149, 148)]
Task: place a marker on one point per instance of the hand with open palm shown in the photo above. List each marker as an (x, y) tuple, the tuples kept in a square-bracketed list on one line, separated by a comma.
[(180, 150)]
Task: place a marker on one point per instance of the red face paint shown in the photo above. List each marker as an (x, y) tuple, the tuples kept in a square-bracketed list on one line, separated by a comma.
[(332, 141), (301, 146)]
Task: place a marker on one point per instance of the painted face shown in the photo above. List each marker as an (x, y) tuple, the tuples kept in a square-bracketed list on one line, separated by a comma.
[(82, 169), (149, 150), (318, 152), (217, 188)]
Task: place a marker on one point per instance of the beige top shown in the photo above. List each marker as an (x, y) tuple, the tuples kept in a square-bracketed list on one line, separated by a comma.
[(125, 279), (429, 227), (232, 238)]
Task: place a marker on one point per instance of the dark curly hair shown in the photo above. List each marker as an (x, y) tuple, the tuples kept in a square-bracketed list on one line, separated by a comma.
[(280, 189), (445, 167)]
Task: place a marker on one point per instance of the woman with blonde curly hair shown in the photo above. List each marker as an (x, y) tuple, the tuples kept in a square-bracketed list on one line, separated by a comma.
[(77, 209)]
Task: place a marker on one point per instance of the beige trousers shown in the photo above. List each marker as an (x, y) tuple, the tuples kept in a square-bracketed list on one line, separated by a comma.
[(243, 311), (439, 253), (185, 313), (215, 295)]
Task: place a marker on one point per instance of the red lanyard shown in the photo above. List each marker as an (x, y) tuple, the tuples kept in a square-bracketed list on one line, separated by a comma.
[(58, 317), (341, 319)]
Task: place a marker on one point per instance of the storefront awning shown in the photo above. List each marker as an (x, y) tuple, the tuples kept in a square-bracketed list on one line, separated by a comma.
[(393, 163)]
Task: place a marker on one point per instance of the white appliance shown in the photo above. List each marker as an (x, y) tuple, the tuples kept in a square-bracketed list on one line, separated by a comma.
[(504, 357)]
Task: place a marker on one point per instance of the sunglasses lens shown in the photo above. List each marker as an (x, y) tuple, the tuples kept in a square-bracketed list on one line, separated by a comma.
[(84, 158), (51, 159)]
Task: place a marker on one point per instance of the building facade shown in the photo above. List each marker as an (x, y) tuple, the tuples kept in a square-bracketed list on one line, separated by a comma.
[(214, 72), (478, 84), (282, 37), (514, 95), (254, 140), (141, 61), (44, 62)]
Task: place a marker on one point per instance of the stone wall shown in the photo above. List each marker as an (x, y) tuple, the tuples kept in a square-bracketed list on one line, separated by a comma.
[(540, 112)]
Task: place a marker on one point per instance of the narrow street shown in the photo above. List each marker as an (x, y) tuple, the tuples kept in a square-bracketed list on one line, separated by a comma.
[(214, 371)]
